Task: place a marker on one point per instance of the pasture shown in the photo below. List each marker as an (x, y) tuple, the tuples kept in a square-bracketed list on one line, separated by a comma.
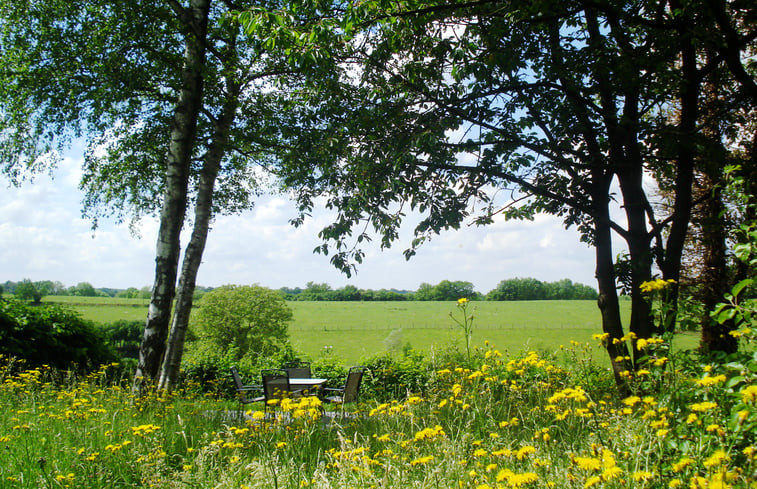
[(354, 330)]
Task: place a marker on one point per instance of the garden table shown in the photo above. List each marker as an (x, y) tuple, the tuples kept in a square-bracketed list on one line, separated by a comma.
[(301, 383)]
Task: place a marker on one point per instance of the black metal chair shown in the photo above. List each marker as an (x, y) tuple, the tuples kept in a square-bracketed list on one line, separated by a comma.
[(275, 384), (243, 390), (298, 369), (351, 389)]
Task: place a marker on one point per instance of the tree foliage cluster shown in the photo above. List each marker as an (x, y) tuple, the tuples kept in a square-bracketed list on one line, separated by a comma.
[(27, 289), (449, 290), (497, 110), (51, 335), (528, 289), (240, 320)]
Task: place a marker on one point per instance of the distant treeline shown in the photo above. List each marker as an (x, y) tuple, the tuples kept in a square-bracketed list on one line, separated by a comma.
[(514, 289)]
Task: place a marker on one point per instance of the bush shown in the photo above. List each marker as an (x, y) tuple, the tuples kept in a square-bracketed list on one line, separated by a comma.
[(51, 335), (389, 378), (250, 319), (27, 291)]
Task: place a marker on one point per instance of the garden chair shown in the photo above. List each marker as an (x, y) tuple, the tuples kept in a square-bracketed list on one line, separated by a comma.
[(244, 390), (351, 389), (298, 369)]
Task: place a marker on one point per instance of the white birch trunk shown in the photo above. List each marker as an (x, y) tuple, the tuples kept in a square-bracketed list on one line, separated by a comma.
[(169, 374), (182, 136)]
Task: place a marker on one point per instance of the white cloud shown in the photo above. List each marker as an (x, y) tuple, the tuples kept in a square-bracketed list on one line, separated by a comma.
[(42, 236)]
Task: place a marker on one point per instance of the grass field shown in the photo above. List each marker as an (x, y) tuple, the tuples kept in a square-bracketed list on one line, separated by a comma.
[(354, 330)]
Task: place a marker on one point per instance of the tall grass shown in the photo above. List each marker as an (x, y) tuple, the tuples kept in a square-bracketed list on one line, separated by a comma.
[(499, 422)]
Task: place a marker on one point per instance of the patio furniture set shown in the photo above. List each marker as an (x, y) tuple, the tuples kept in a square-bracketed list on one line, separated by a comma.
[(296, 380)]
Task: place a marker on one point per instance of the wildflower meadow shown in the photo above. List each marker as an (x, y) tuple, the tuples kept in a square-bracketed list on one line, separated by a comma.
[(492, 421)]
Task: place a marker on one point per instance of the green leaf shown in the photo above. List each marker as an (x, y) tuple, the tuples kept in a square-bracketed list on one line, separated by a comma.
[(740, 286)]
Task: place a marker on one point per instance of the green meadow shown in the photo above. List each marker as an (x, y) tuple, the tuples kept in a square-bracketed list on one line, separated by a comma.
[(355, 330)]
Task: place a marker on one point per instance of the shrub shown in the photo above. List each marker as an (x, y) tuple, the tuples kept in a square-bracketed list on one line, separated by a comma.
[(51, 335), (27, 291), (250, 319), (389, 378)]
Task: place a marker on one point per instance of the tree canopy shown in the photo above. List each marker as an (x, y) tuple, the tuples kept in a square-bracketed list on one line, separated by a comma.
[(493, 109)]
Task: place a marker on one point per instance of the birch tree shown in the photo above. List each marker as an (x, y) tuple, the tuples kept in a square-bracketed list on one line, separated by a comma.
[(179, 108)]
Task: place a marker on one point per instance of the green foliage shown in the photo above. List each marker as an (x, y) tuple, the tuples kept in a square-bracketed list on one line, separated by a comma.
[(391, 378), (251, 321), (51, 335), (528, 289), (124, 337), (83, 289), (446, 290), (130, 293), (27, 291)]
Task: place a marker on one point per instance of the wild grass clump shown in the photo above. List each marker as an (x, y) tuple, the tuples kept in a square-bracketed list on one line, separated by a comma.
[(497, 422)]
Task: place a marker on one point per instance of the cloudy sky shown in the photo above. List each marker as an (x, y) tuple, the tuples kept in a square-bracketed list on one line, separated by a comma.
[(43, 237)]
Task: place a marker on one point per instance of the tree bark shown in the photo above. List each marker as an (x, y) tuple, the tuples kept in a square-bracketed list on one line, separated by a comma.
[(715, 336), (687, 131), (182, 138), (608, 295), (169, 375)]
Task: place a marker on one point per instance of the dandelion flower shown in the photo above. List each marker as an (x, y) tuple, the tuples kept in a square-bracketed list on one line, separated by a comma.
[(749, 394), (716, 458), (422, 460)]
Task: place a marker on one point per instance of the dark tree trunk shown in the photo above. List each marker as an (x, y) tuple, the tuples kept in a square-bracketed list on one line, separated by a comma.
[(715, 336), (608, 294), (182, 136), (690, 90)]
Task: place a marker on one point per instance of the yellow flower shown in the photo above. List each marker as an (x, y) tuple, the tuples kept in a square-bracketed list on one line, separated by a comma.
[(749, 394), (716, 458), (653, 285), (701, 407), (681, 464), (631, 401), (522, 452), (422, 460), (592, 481), (462, 301), (429, 433), (642, 475), (708, 381), (587, 463), (675, 483)]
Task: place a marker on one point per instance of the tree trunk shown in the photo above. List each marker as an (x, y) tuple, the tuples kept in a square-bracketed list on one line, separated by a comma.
[(630, 172), (608, 294), (169, 375), (687, 132), (182, 136), (715, 336)]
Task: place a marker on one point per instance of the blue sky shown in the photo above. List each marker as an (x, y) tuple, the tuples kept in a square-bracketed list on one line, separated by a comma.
[(43, 237)]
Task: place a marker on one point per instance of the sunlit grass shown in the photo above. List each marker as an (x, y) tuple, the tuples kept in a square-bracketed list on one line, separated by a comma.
[(511, 422), (354, 330)]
